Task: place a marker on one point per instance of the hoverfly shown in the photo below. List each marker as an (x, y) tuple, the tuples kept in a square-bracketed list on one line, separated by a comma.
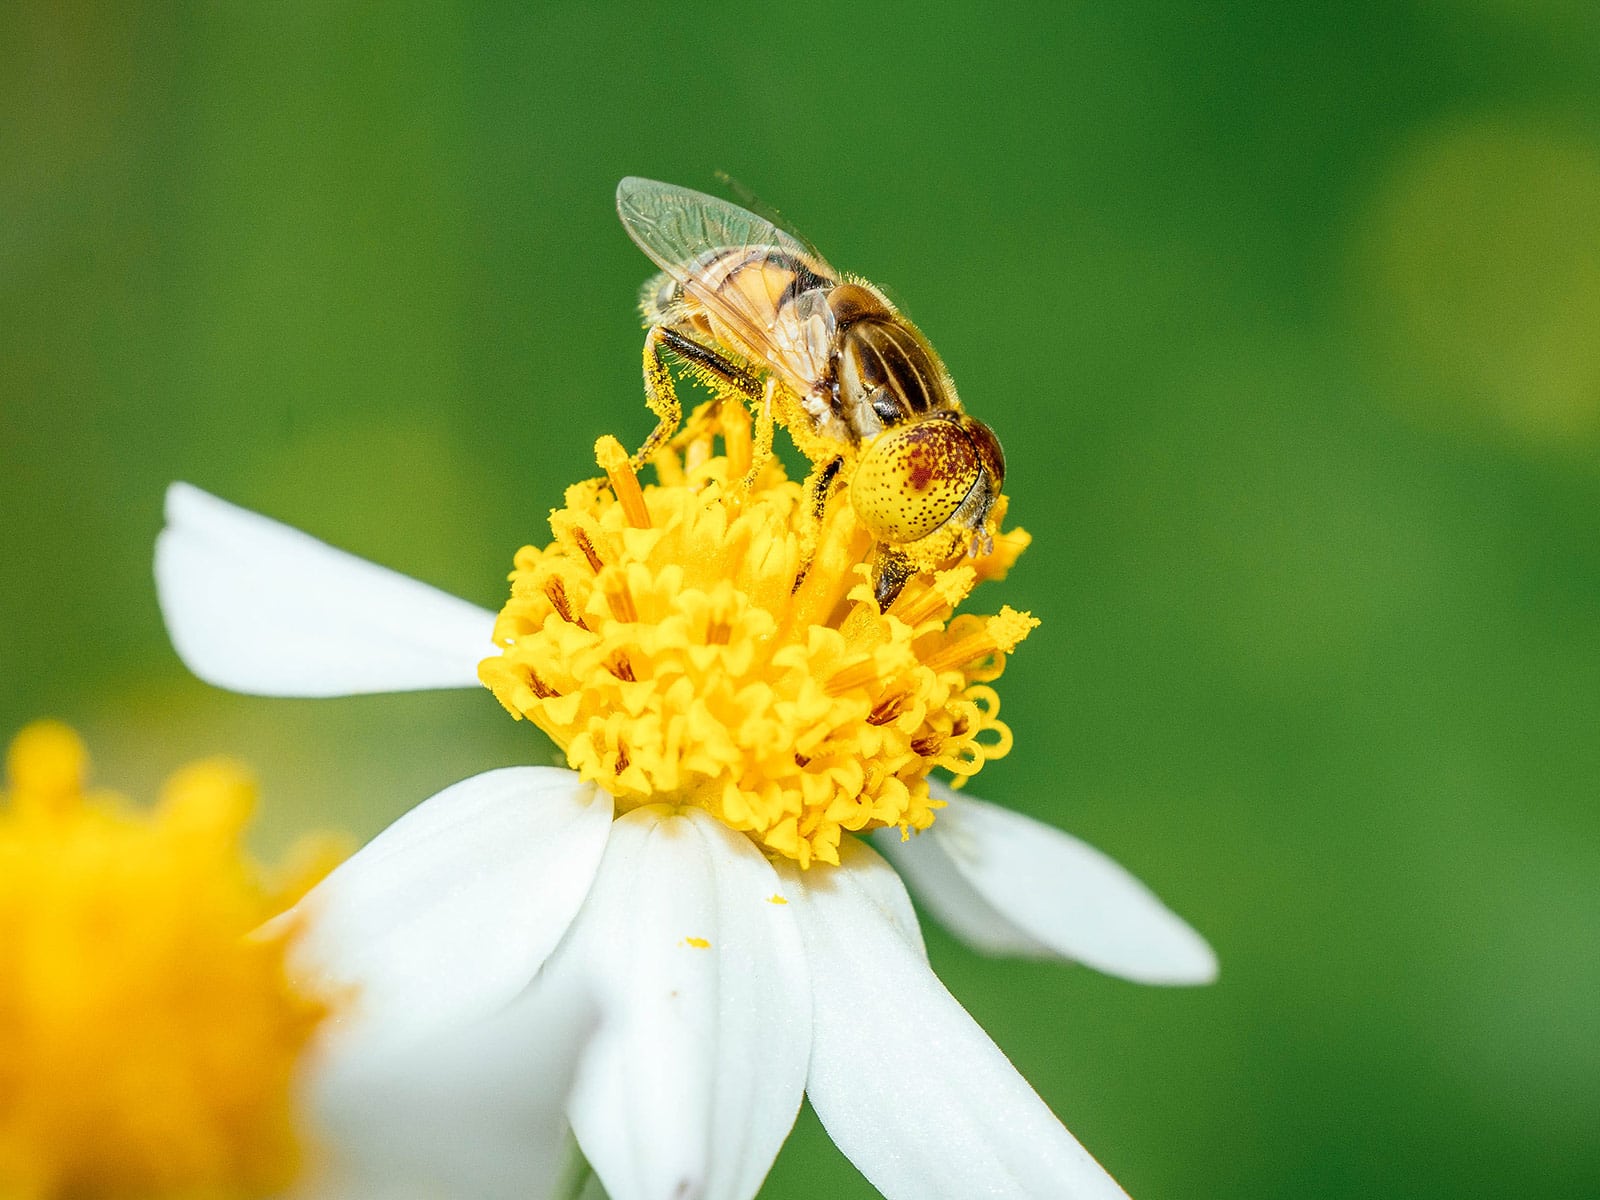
[(752, 309)]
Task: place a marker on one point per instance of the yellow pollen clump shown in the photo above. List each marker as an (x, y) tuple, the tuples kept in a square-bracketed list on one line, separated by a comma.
[(148, 1045), (708, 640)]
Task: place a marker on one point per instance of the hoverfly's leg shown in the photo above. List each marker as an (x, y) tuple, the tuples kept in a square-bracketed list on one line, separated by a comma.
[(818, 484), (892, 568), (662, 397), (659, 395), (761, 452)]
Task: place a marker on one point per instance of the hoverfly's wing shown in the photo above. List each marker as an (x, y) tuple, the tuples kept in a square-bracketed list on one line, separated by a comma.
[(683, 232), (760, 208)]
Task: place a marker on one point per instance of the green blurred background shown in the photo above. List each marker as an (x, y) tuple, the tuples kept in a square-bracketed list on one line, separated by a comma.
[(1289, 316)]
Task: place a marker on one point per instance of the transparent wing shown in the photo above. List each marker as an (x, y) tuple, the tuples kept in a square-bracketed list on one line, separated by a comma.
[(676, 226), (760, 208), (682, 231)]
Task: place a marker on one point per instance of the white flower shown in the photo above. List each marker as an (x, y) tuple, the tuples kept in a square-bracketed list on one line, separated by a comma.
[(472, 1112), (730, 984)]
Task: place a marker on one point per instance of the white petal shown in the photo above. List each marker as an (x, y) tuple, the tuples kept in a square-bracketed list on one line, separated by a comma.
[(1009, 884), (447, 914), (477, 1111), (696, 1075), (258, 607), (943, 890), (907, 1085)]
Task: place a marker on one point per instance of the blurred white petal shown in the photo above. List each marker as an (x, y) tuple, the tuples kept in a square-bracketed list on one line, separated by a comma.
[(475, 1112), (1008, 884), (259, 607), (696, 1075), (905, 1082), (447, 914)]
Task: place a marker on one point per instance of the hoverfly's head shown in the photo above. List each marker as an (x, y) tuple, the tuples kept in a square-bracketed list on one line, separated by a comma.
[(916, 478)]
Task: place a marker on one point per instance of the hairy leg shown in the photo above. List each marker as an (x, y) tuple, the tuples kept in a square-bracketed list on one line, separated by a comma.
[(661, 395)]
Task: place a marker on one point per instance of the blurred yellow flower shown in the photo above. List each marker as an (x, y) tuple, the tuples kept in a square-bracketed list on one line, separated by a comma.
[(155, 1041), (147, 1046)]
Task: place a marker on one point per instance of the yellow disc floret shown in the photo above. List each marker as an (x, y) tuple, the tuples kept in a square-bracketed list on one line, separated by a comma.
[(147, 1043), (710, 641)]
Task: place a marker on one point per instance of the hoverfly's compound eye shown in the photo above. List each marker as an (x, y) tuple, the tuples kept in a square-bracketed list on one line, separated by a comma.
[(912, 478)]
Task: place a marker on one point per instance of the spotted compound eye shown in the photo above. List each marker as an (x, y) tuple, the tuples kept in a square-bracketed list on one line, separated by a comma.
[(912, 478)]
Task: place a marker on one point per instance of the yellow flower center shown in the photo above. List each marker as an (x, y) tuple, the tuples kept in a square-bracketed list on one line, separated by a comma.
[(708, 640), (147, 1044)]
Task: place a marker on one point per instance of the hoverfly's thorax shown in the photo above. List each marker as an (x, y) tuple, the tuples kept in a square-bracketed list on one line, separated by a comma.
[(888, 375), (852, 302)]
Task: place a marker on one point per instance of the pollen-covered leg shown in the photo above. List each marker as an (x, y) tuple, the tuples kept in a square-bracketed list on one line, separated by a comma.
[(818, 487), (660, 395), (891, 570), (820, 483), (761, 452)]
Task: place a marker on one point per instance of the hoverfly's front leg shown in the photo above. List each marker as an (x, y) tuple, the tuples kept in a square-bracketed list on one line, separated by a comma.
[(762, 450), (818, 485), (662, 396), (892, 569)]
